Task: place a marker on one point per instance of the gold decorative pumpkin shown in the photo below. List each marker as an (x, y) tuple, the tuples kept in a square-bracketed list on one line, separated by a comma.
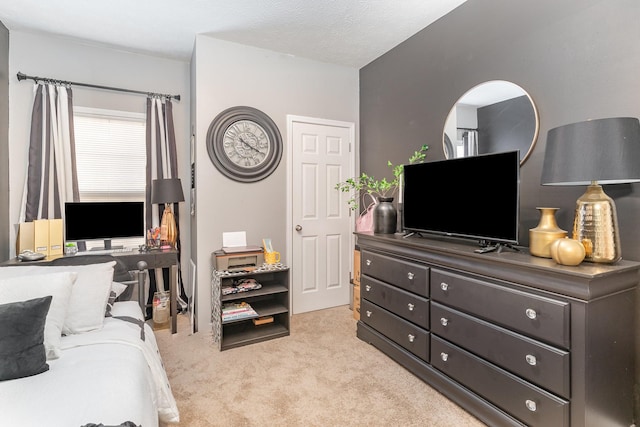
[(567, 251)]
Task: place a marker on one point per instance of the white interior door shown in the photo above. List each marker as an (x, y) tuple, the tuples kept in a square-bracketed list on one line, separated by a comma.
[(321, 228)]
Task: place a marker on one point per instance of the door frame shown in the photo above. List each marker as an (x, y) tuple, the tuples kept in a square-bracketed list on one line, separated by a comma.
[(353, 165)]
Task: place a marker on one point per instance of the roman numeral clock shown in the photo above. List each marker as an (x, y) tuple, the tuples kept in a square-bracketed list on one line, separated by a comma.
[(244, 144)]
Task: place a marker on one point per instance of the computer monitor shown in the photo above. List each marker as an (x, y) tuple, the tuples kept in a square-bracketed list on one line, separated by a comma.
[(103, 221)]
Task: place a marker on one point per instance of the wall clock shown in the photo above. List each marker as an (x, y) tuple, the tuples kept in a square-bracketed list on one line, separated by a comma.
[(244, 144)]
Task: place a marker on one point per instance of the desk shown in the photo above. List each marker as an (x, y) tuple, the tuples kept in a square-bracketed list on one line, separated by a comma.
[(155, 259), (139, 261)]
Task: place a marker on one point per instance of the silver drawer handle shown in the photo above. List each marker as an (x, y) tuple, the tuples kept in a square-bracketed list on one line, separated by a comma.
[(368, 262), (410, 276), (369, 313), (410, 306), (444, 356), (531, 359), (531, 313), (411, 337), (368, 288), (444, 286), (444, 321), (531, 405)]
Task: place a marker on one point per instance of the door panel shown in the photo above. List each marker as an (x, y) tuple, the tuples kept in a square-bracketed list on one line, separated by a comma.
[(321, 221)]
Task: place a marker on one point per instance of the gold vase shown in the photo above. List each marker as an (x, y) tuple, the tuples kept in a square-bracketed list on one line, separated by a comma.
[(547, 231), (596, 225)]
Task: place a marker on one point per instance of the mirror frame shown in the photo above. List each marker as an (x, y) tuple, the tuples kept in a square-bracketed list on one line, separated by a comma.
[(534, 138)]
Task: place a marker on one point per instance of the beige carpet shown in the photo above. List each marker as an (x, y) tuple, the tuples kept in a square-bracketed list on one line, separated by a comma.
[(320, 375)]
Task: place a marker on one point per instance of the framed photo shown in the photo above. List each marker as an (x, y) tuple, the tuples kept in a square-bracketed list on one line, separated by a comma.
[(266, 243)]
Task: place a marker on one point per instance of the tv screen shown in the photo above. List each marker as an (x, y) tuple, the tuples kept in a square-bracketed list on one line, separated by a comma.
[(103, 220), (471, 197)]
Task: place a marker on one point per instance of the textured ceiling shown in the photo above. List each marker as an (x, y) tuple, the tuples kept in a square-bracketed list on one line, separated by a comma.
[(346, 32)]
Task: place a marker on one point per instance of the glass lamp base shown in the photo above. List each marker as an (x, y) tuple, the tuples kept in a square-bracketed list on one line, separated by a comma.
[(596, 226)]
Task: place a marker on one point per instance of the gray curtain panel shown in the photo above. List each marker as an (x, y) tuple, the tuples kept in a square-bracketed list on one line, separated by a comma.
[(51, 149)]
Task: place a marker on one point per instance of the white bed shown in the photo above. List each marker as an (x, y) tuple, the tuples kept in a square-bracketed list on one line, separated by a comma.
[(95, 361), (100, 377)]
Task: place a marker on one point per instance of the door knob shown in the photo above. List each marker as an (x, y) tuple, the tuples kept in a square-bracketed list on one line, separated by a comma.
[(298, 228)]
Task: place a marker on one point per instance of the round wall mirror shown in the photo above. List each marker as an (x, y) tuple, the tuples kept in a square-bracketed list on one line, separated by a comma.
[(492, 117)]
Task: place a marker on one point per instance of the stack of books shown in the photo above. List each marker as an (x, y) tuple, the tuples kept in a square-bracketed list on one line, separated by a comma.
[(237, 311)]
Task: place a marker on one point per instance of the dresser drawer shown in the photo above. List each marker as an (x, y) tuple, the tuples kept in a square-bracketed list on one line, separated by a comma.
[(406, 334), (539, 363), (526, 402), (404, 274), (405, 304), (537, 316)]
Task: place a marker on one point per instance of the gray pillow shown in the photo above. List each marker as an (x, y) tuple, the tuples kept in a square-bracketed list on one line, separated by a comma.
[(22, 351)]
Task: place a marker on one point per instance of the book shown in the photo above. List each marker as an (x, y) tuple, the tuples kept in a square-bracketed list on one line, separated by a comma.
[(237, 311), (41, 235), (26, 237), (239, 316), (236, 306), (56, 237)]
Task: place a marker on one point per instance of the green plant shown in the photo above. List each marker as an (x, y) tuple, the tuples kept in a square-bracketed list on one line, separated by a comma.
[(378, 187)]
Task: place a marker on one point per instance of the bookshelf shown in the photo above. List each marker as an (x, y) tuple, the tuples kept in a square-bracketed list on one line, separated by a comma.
[(271, 300)]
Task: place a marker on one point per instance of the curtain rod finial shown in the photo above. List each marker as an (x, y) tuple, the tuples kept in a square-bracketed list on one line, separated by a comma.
[(21, 76)]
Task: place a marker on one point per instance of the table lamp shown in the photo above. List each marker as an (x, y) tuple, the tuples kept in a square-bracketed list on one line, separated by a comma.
[(167, 191), (594, 152)]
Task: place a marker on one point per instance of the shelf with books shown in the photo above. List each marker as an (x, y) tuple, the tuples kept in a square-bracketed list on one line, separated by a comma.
[(232, 312), (270, 298)]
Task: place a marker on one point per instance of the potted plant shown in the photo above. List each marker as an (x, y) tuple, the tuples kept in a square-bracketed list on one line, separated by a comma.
[(383, 212)]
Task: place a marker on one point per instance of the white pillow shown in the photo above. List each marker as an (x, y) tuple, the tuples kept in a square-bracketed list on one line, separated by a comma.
[(59, 285), (88, 297), (118, 288)]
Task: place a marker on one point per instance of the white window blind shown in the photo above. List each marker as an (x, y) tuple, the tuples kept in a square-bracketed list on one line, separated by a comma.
[(110, 154)]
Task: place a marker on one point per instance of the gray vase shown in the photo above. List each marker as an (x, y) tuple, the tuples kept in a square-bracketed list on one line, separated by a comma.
[(385, 216)]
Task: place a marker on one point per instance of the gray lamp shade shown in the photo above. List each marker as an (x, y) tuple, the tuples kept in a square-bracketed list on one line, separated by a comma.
[(167, 190), (605, 150)]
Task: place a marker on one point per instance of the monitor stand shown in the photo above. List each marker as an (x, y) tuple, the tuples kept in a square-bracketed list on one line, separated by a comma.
[(82, 246)]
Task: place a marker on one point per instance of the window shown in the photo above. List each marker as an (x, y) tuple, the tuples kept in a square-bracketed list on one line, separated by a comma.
[(110, 154), (110, 158)]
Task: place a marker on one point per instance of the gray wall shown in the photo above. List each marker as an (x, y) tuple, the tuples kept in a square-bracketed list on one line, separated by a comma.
[(578, 59), (4, 141), (279, 85)]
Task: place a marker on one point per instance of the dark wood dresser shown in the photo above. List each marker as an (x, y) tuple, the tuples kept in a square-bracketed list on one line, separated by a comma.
[(514, 339)]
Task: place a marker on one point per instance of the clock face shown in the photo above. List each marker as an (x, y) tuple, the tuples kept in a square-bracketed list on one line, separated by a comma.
[(244, 144)]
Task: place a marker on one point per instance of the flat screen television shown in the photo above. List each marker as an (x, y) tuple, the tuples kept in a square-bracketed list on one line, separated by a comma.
[(472, 197), (103, 221)]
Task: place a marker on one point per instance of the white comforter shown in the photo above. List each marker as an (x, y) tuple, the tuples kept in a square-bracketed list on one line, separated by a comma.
[(106, 376)]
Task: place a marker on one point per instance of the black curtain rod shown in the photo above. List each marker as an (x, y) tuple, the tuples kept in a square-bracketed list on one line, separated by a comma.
[(22, 76)]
